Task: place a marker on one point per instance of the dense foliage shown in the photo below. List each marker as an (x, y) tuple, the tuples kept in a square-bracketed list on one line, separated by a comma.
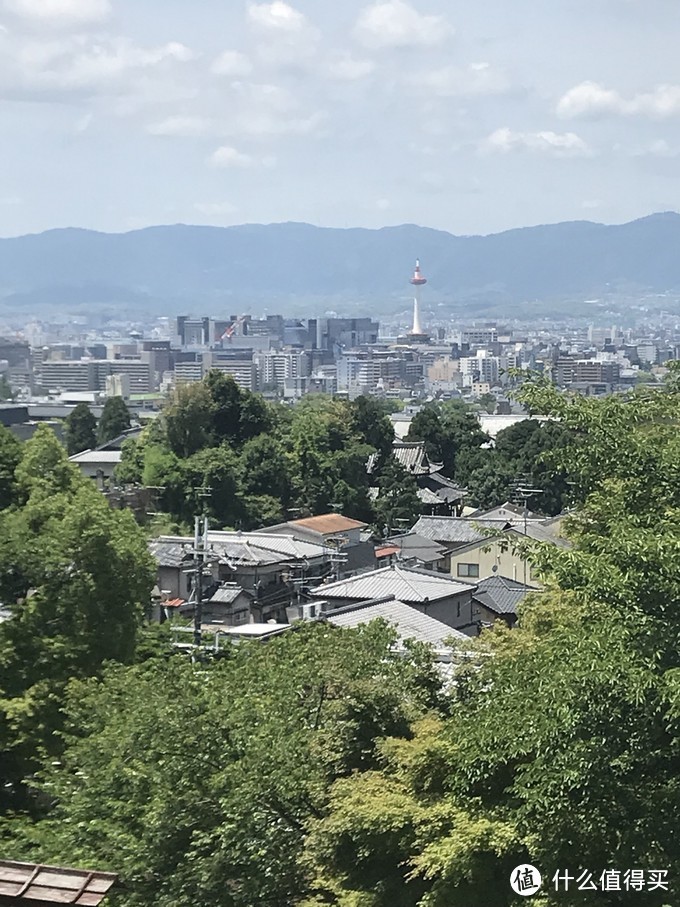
[(76, 578), (224, 451), (80, 429), (115, 419), (327, 767)]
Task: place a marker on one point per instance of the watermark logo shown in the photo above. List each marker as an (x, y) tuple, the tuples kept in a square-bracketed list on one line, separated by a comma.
[(525, 880)]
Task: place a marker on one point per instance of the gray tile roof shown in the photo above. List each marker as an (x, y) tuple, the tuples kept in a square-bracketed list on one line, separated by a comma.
[(444, 488), (97, 456), (408, 622), (455, 530), (227, 595), (501, 594), (411, 455), (405, 584), (425, 496), (240, 548), (418, 547)]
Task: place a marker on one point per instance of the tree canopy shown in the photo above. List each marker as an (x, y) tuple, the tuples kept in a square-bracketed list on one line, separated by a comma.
[(80, 429), (115, 419), (76, 578)]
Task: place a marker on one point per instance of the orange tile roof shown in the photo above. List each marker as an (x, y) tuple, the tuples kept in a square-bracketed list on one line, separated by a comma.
[(386, 551), (329, 523)]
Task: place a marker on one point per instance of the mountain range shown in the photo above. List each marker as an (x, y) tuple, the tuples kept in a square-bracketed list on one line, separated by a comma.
[(297, 266)]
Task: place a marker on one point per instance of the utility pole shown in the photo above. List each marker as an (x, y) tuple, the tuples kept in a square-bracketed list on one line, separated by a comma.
[(199, 552), (522, 493)]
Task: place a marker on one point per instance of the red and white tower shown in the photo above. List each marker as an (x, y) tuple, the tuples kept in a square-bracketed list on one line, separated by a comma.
[(418, 282)]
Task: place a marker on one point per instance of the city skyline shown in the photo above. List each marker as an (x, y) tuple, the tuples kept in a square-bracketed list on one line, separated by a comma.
[(471, 119)]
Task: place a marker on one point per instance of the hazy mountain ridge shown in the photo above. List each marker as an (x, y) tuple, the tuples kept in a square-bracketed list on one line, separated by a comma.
[(193, 266)]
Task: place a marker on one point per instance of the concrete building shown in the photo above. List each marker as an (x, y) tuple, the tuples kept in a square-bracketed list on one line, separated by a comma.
[(195, 332), (237, 363), (346, 333), (477, 336), (274, 368), (481, 368)]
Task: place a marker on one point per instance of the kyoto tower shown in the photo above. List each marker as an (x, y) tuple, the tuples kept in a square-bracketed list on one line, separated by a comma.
[(418, 281)]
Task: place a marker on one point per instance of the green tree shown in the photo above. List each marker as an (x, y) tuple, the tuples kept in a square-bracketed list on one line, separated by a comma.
[(562, 744), (373, 425), (187, 419), (204, 794), (131, 467), (237, 415), (166, 474), (328, 460), (491, 483), (487, 402), (211, 485), (115, 420), (450, 431), (44, 469), (76, 576), (80, 429), (10, 457), (265, 468), (398, 502)]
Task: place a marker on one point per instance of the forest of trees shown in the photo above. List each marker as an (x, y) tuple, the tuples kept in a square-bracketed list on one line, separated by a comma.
[(325, 767), (247, 463), (82, 431)]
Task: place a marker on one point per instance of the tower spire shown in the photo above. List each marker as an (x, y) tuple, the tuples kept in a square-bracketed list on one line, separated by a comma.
[(418, 282)]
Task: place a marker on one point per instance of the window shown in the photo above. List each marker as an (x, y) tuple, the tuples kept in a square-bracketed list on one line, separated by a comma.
[(468, 570)]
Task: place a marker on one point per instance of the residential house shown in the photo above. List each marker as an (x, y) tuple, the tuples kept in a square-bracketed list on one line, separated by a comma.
[(434, 594), (498, 555), (348, 538), (273, 568)]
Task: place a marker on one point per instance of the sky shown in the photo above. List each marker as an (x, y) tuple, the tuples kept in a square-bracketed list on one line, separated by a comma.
[(471, 117)]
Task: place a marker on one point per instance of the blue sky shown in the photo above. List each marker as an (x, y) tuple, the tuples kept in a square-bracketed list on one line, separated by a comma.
[(470, 117)]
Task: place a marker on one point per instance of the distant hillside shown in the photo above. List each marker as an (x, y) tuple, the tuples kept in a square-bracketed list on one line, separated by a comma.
[(179, 267)]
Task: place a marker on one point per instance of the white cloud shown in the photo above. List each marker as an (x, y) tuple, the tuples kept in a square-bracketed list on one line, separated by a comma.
[(592, 100), (226, 156), (181, 126), (263, 110), (395, 23), (232, 63), (60, 13), (565, 144), (277, 16), (264, 125), (454, 81), (346, 68), (83, 66), (287, 40), (659, 148)]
